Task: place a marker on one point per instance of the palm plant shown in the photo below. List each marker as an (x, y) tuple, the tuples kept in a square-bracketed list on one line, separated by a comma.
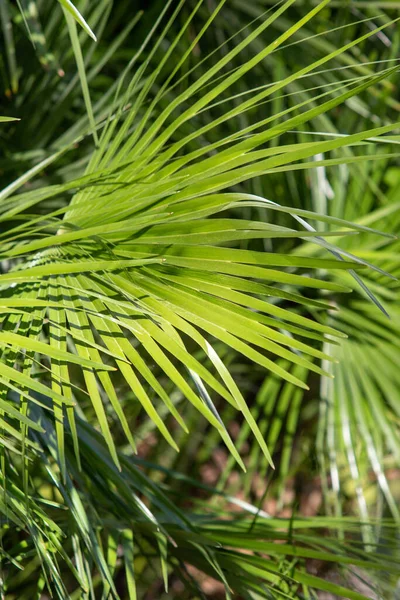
[(150, 261)]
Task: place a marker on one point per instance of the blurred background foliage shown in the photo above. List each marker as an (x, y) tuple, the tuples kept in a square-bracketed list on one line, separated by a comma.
[(335, 446)]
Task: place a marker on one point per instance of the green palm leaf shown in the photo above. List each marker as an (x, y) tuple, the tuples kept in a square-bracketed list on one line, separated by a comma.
[(147, 263)]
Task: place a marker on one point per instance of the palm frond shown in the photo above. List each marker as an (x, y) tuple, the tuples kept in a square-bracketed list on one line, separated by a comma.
[(156, 256)]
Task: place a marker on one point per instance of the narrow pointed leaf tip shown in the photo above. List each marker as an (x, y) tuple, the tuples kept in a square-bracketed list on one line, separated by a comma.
[(78, 17)]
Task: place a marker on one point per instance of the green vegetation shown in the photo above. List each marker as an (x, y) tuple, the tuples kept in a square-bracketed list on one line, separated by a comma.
[(200, 318)]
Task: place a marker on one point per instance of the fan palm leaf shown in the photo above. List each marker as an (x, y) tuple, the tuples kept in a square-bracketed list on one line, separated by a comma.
[(134, 268)]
